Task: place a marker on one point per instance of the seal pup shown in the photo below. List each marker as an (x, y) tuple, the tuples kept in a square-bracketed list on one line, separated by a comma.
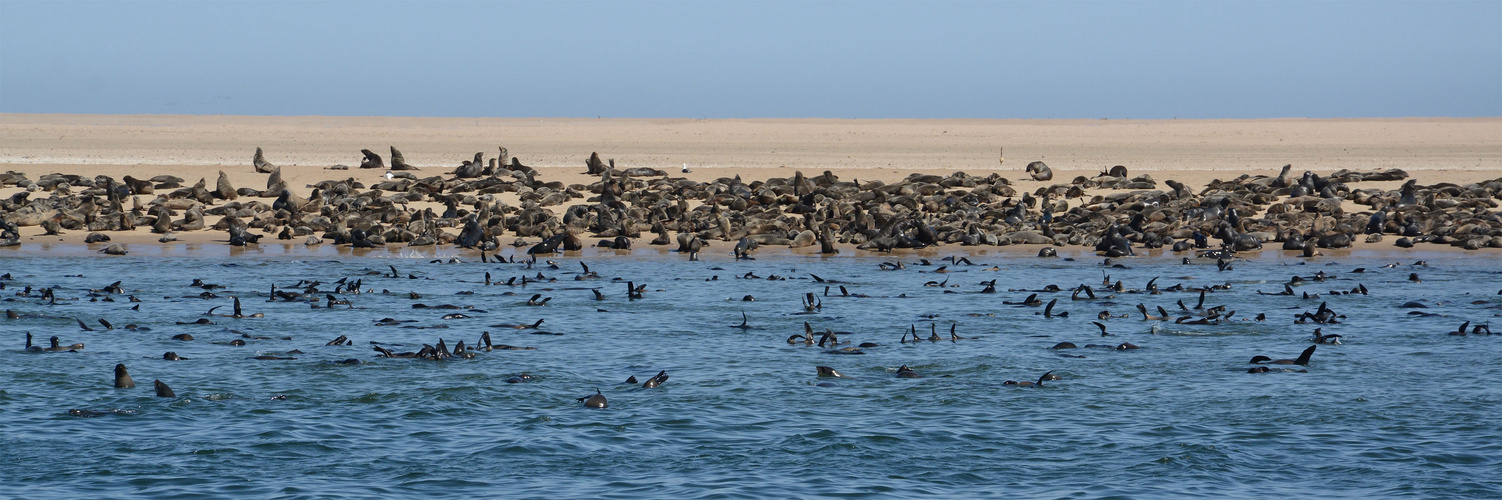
[(162, 391), (1303, 359), (122, 377), (595, 401)]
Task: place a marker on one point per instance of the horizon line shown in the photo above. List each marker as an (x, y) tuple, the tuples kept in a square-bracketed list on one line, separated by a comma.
[(1477, 117)]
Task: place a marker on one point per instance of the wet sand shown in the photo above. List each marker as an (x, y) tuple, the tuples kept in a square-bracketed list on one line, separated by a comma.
[(1190, 151)]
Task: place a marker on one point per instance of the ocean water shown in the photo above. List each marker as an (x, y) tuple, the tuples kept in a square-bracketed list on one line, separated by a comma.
[(1400, 409)]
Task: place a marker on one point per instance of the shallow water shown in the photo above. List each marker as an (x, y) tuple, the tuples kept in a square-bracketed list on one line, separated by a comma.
[(1401, 409)]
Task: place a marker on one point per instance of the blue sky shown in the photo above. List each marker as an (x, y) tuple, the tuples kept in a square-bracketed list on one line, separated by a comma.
[(755, 59)]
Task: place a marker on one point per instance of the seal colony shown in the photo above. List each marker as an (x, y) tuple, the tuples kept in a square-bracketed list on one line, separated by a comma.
[(1112, 212)]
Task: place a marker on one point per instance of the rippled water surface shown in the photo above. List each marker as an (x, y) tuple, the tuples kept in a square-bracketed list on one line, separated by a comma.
[(1400, 409)]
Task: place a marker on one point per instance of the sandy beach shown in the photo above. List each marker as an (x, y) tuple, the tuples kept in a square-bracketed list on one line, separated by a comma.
[(1190, 151)]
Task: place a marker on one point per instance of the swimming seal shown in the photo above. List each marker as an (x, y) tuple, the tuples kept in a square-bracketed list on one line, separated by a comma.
[(122, 378), (656, 380), (75, 347), (1331, 339), (1303, 359), (595, 401), (905, 372), (1039, 383), (825, 371), (162, 391)]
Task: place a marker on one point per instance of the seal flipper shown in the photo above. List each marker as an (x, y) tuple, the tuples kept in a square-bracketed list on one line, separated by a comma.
[(1304, 357), (1044, 377), (656, 380)]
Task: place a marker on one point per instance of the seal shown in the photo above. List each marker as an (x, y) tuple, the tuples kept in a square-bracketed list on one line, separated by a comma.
[(905, 372), (1039, 383), (656, 380), (1303, 359), (825, 371), (1331, 339), (743, 247), (122, 377), (595, 401), (75, 347), (1039, 171), (162, 391)]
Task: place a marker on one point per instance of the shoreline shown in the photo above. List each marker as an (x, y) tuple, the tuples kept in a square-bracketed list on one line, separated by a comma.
[(717, 254)]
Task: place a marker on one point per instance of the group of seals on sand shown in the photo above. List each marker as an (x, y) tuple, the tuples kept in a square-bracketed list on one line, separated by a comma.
[(1111, 212)]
